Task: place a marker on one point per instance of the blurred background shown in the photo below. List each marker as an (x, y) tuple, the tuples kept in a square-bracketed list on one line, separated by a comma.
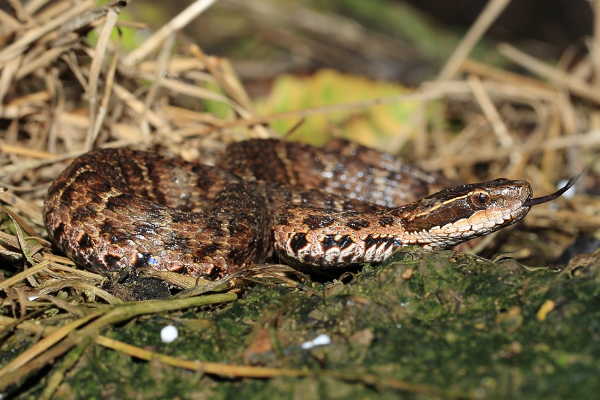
[(394, 40)]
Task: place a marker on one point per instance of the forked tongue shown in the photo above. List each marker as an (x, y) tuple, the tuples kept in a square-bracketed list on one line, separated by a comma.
[(559, 192)]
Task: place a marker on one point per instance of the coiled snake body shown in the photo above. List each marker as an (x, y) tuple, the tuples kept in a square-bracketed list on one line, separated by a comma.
[(340, 205)]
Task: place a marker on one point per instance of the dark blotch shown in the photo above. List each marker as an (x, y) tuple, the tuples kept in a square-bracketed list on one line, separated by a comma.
[(318, 221), (111, 260), (141, 260), (85, 243), (330, 242), (357, 224), (370, 242), (205, 250), (95, 263), (347, 259), (345, 242), (215, 273), (106, 227), (59, 231), (177, 218), (116, 203), (83, 211), (236, 256), (386, 221), (387, 241), (298, 242)]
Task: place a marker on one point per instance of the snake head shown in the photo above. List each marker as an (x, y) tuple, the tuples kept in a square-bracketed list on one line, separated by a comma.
[(455, 215)]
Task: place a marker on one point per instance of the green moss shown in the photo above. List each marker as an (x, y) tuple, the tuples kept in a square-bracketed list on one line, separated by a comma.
[(454, 323)]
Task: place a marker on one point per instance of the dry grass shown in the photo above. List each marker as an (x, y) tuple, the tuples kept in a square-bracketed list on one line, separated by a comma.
[(61, 98)]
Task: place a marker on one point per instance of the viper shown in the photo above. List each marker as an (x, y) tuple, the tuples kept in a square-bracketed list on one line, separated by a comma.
[(321, 208)]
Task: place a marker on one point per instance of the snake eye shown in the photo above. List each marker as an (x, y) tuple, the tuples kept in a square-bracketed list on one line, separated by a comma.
[(480, 199)]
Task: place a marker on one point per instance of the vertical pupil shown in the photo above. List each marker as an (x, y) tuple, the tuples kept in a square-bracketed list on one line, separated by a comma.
[(481, 198)]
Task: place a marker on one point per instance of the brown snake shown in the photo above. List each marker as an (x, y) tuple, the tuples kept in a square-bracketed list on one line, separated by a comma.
[(341, 205)]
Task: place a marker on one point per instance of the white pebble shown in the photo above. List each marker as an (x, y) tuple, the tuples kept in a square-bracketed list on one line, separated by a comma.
[(569, 193), (31, 298), (320, 340), (168, 334)]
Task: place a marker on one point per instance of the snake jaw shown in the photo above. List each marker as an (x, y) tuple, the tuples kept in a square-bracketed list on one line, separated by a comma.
[(473, 210)]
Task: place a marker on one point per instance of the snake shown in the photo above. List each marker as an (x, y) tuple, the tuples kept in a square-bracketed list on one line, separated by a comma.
[(324, 208)]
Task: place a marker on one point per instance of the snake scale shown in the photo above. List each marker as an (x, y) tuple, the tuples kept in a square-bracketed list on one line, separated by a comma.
[(328, 207)]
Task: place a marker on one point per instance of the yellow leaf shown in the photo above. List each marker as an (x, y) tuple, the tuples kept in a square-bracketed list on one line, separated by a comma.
[(375, 126)]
